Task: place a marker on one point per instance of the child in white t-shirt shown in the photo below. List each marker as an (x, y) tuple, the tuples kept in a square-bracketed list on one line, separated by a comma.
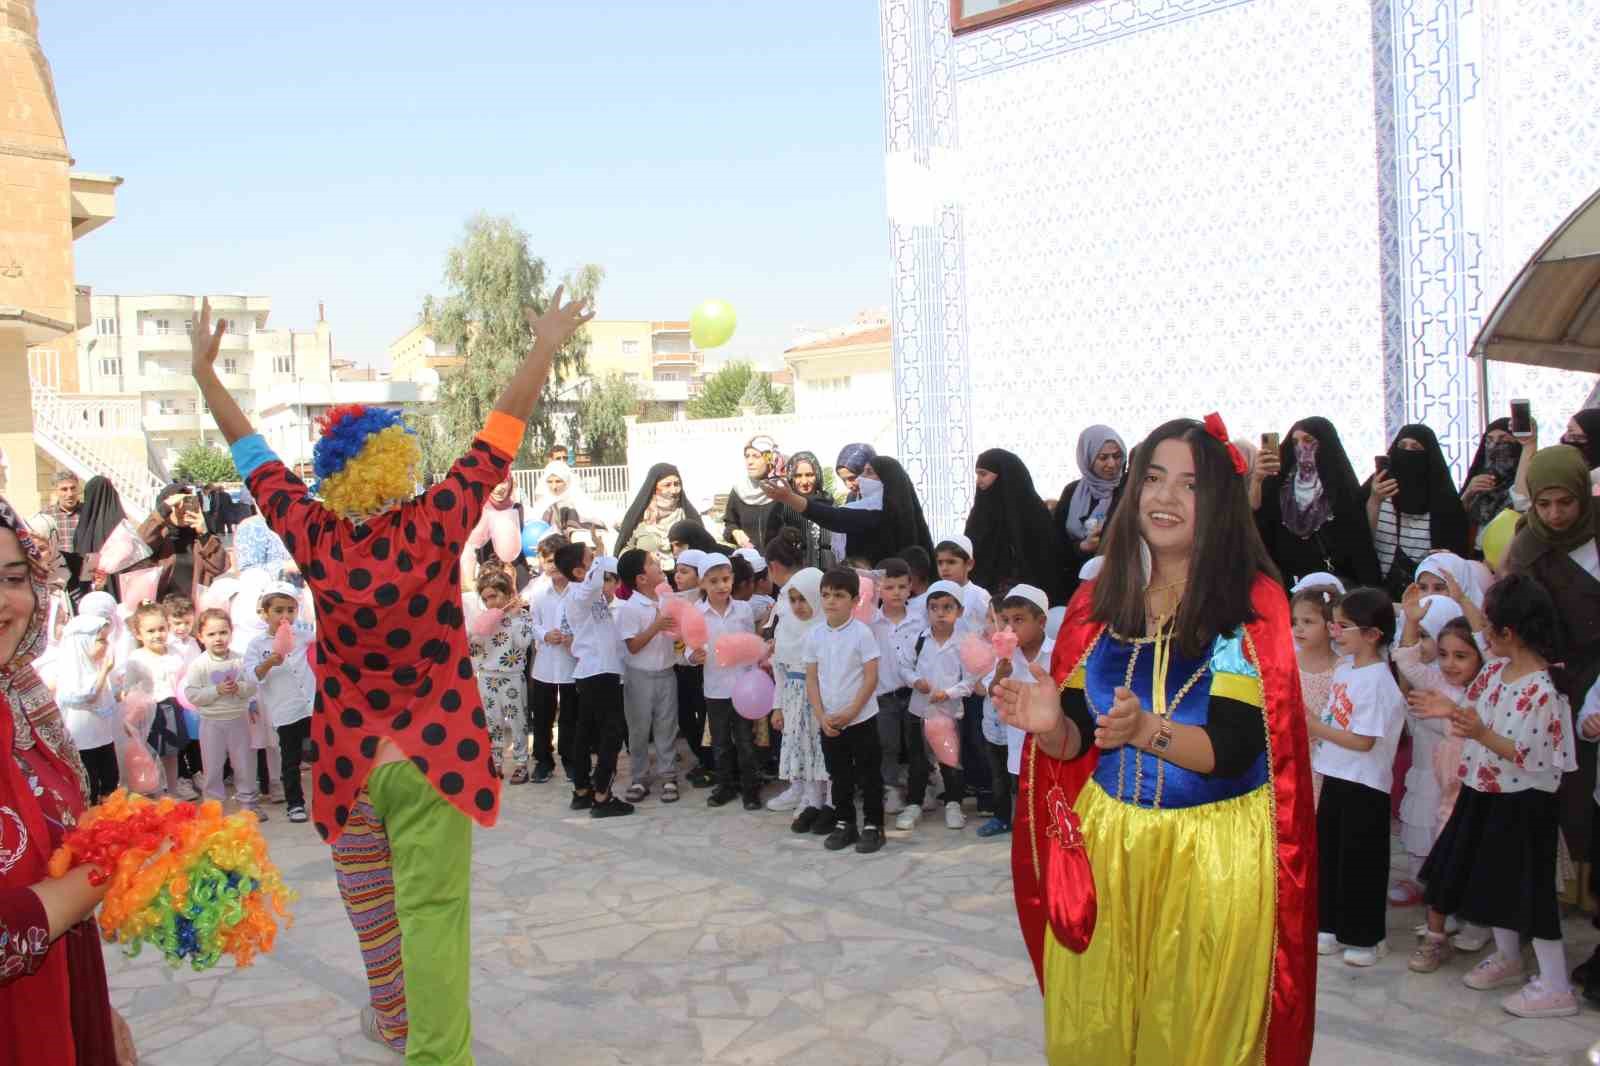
[(1023, 611), (940, 687), (88, 699), (1359, 731), (649, 680), (221, 689), (841, 680), (286, 688), (155, 668)]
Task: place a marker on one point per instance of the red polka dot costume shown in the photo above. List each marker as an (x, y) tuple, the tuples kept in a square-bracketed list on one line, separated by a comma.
[(391, 654)]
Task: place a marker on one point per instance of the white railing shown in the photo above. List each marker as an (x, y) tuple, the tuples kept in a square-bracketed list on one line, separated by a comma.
[(98, 435), (606, 486)]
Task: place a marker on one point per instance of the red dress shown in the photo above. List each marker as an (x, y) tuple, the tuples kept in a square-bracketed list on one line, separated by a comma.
[(391, 658)]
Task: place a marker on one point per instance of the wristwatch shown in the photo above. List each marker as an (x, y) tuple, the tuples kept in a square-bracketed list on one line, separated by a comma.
[(1163, 738)]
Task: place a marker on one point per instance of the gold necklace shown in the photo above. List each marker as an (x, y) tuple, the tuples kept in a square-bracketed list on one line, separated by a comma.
[(1148, 589)]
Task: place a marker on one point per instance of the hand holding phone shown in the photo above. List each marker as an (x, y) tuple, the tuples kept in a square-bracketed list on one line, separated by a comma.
[(1521, 418)]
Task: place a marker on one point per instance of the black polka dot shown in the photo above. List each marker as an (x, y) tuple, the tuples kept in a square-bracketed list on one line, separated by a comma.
[(411, 532), (351, 718), (369, 747), (279, 501), (488, 767), (325, 784), (378, 699), (366, 617), (291, 542), (398, 638), (445, 500), (436, 536), (468, 462), (341, 814), (441, 654), (362, 533), (478, 719), (373, 661), (406, 676), (336, 552), (403, 562), (347, 636), (451, 701), (335, 595), (433, 733), (331, 686), (310, 752), (468, 750), (464, 669), (477, 490), (420, 763), (450, 615), (425, 688), (418, 606), (433, 571), (327, 734), (451, 783), (360, 578), (386, 595), (344, 767), (350, 672), (402, 721), (380, 548), (323, 831), (484, 800)]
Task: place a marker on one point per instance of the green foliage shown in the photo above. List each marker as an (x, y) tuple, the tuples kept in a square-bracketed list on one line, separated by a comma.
[(601, 419), (201, 464), (655, 411), (492, 281), (736, 388)]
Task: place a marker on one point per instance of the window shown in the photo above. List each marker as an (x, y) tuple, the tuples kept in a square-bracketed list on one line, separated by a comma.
[(230, 366), (975, 14), (163, 326), (630, 347), (106, 326), (167, 407), (188, 326), (228, 326), (282, 364), (111, 367)]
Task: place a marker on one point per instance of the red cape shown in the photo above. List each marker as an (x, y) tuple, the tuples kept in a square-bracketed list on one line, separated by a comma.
[(1292, 1010)]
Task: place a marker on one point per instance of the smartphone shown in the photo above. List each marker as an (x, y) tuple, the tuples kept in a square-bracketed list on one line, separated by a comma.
[(1521, 417), (1380, 463), (1269, 443)]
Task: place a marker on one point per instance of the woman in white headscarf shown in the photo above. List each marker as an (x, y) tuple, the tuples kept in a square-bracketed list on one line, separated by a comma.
[(566, 508), (751, 517), (1084, 507)]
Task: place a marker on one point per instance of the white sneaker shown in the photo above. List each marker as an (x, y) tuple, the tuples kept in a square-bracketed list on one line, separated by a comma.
[(1364, 956), (908, 817), (1471, 938), (184, 790), (1327, 943), (787, 800), (893, 801), (953, 818)]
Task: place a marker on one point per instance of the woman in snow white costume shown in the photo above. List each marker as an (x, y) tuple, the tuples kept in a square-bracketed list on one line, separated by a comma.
[(1164, 855), (402, 764)]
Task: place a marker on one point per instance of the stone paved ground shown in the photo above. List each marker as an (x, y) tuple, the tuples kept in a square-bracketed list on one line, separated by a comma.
[(682, 935)]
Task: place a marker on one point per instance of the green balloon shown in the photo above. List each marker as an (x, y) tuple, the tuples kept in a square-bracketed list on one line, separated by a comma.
[(711, 324)]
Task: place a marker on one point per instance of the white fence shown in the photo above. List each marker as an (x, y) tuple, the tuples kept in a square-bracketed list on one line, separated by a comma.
[(606, 486)]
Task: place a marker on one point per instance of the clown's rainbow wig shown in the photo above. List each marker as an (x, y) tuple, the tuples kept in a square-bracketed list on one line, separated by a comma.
[(366, 461)]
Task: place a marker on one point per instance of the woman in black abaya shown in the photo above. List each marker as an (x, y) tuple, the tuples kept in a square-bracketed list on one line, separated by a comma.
[(1013, 537), (1311, 515), (1413, 508)]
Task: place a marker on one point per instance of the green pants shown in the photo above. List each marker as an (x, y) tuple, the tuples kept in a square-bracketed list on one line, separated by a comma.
[(431, 847)]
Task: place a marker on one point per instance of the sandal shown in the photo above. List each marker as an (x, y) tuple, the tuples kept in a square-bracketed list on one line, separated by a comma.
[(636, 793), (519, 776), (669, 792)]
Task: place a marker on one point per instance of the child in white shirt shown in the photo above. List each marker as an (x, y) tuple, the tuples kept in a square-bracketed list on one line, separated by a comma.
[(1359, 731), (940, 686), (286, 688), (555, 695), (88, 700), (221, 688), (158, 670), (732, 736), (896, 627), (650, 682), (1023, 611), (953, 557), (841, 680), (602, 725)]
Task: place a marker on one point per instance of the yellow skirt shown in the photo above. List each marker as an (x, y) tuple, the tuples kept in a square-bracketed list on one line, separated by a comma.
[(1180, 966)]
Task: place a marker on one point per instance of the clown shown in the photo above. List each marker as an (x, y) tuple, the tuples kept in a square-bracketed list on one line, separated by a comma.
[(401, 763)]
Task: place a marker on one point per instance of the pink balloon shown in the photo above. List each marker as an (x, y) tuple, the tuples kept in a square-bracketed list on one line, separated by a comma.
[(977, 655), (692, 628), (485, 622), (139, 586), (944, 738), (739, 649), (867, 602), (752, 694), (506, 534), (480, 533), (283, 639)]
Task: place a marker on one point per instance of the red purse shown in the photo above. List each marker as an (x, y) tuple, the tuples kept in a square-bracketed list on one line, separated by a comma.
[(1061, 861)]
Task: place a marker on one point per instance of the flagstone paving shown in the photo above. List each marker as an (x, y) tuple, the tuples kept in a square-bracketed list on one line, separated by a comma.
[(684, 935)]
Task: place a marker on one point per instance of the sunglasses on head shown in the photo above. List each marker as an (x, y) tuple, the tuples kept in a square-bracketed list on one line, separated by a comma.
[(1339, 627)]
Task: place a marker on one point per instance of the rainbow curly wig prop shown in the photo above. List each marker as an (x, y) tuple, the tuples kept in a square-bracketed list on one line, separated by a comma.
[(366, 461), (183, 878)]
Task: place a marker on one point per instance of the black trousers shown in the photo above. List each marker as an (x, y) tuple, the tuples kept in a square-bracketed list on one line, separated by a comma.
[(1353, 858), (601, 728), (919, 768), (974, 760), (101, 764), (733, 737), (1001, 781), (292, 745), (692, 712), (546, 701), (855, 763)]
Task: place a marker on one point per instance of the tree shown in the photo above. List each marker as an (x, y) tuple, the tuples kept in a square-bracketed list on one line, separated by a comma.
[(201, 464), (493, 281), (735, 388), (601, 421), (655, 411)]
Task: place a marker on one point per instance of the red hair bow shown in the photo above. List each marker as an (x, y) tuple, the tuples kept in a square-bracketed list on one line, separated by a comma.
[(1215, 427)]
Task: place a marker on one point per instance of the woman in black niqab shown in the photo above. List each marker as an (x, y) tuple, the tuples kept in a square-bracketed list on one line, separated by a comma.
[(1013, 536)]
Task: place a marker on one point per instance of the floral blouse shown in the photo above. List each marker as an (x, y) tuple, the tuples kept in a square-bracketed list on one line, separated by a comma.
[(504, 651), (24, 928), (1533, 715)]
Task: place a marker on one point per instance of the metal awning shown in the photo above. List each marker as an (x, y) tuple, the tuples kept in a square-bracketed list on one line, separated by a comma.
[(1550, 315)]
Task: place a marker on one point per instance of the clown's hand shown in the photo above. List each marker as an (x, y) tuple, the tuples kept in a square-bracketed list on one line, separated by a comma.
[(204, 341), (560, 320)]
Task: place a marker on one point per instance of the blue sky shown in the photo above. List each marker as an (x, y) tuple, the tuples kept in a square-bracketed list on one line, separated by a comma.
[(313, 149)]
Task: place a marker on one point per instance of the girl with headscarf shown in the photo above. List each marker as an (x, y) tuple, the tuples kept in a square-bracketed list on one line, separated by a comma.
[(751, 518), (1556, 543), (566, 508), (1413, 507), (886, 519), (689, 533), (52, 974), (1085, 505), (660, 504), (853, 458), (800, 761), (1311, 508), (1012, 533), (1487, 490), (1583, 433), (100, 512), (805, 478)]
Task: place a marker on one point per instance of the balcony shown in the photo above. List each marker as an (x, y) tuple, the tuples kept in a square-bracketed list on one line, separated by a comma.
[(180, 422)]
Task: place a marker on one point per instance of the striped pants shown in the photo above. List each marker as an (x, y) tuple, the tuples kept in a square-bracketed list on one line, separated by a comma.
[(403, 865)]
